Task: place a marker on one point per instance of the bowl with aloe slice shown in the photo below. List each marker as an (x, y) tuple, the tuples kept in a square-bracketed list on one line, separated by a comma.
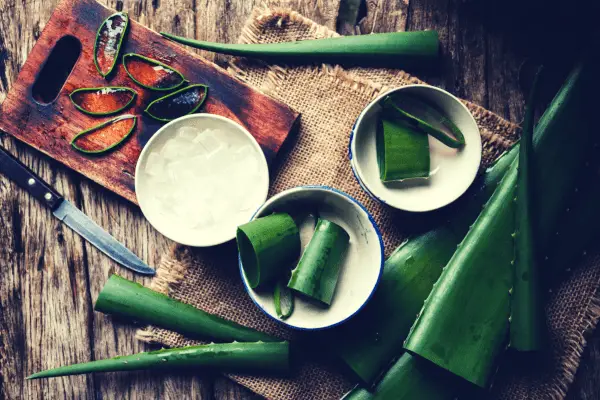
[(310, 257), (416, 148)]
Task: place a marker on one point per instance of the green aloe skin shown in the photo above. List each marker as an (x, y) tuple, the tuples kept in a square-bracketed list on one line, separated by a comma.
[(131, 300), (317, 272), (231, 357), (268, 246), (401, 49), (109, 40)]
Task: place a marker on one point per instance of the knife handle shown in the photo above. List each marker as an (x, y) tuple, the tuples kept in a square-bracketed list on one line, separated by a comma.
[(28, 180)]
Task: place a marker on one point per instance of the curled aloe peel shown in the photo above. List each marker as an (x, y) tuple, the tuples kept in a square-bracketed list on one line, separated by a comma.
[(108, 42)]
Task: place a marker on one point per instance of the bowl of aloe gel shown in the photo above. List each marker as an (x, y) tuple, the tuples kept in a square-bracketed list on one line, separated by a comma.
[(311, 257), (415, 148), (199, 177)]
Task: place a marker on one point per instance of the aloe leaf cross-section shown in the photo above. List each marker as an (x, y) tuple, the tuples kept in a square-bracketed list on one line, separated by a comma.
[(102, 100), (177, 104), (109, 40), (151, 74)]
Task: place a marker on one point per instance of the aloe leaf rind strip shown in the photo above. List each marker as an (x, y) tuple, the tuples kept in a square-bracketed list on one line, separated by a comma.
[(406, 49), (105, 91), (131, 300), (318, 270), (421, 114), (93, 129), (527, 311), (284, 300), (402, 152), (268, 246), (113, 44), (177, 100), (239, 357), (156, 63)]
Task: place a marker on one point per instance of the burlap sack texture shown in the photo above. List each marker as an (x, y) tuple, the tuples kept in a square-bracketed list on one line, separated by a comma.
[(330, 99)]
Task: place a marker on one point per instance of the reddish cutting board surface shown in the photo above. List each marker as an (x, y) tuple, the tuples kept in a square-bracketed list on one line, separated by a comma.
[(50, 128)]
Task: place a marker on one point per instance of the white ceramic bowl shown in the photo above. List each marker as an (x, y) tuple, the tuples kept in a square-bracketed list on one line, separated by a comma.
[(361, 269), (195, 205), (452, 171)]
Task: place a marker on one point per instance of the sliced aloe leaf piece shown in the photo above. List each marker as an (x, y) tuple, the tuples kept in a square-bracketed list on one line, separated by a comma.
[(283, 299), (267, 247), (106, 136), (424, 116), (177, 104), (102, 100), (527, 326), (402, 151), (317, 272), (151, 74), (108, 42)]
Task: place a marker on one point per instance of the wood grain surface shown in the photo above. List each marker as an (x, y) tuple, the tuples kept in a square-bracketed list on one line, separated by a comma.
[(49, 276)]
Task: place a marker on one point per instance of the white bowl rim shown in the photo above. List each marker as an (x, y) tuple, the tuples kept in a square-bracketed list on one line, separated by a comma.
[(324, 188), (356, 169), (160, 132)]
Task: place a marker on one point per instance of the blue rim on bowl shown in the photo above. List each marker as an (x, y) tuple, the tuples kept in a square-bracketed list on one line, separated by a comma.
[(263, 301)]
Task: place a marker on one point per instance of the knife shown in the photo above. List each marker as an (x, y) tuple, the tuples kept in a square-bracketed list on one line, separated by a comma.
[(69, 214)]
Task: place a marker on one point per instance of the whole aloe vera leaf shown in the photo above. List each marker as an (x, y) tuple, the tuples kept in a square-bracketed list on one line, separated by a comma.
[(371, 340), (239, 357), (268, 247), (318, 270), (405, 49), (131, 300), (527, 310), (464, 322), (408, 379), (425, 117), (402, 152), (109, 39)]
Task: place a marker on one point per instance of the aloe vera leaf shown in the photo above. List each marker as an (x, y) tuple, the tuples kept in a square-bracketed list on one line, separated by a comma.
[(231, 357), (527, 310), (369, 342), (102, 100), (318, 270), (402, 152), (177, 104), (463, 327), (268, 246), (425, 117), (108, 42), (283, 299), (409, 378), (106, 136), (405, 49), (131, 300), (152, 74)]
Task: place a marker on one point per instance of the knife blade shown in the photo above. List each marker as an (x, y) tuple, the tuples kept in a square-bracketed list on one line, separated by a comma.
[(69, 214)]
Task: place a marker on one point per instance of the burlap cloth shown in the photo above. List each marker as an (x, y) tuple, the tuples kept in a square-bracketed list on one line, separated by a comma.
[(330, 99)]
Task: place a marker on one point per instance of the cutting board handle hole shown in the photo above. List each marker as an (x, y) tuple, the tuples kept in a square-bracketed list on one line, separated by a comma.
[(56, 70)]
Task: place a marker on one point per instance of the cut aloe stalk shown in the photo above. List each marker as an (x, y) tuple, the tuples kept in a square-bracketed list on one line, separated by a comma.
[(464, 323), (102, 100), (425, 117), (402, 152), (152, 74), (283, 299), (177, 104), (405, 49), (133, 301), (106, 136), (527, 310), (108, 42), (268, 246), (372, 339), (317, 272), (253, 358)]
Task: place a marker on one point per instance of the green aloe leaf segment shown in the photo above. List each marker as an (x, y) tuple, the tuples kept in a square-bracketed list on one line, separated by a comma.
[(109, 39), (317, 272), (133, 301), (177, 104), (104, 137), (401, 49), (230, 357), (283, 299), (102, 100), (152, 74), (268, 246)]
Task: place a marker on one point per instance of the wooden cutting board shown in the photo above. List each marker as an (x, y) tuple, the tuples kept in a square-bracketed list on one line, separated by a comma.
[(30, 114)]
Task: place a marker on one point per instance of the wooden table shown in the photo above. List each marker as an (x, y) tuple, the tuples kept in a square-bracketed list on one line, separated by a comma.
[(49, 276)]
